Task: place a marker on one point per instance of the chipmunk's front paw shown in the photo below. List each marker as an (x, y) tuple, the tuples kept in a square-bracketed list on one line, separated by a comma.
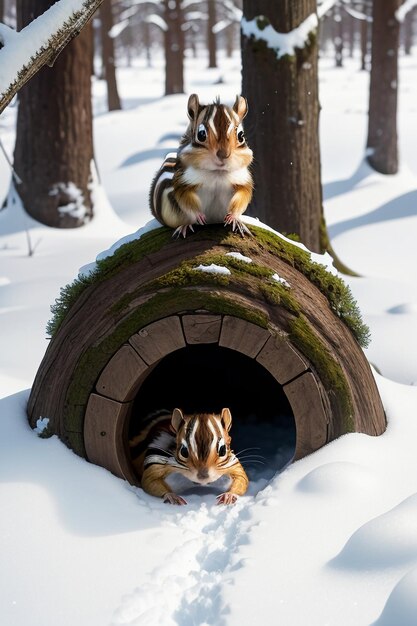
[(227, 498), (182, 231), (201, 219), (236, 224), (173, 498)]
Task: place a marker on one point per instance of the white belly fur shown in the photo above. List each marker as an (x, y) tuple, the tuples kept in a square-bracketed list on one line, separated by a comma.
[(215, 198), (215, 191)]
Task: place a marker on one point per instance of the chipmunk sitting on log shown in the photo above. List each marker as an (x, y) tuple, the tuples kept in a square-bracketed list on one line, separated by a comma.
[(208, 180), (196, 446)]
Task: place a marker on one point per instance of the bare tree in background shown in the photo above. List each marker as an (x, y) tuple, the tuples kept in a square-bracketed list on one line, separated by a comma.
[(54, 144), (108, 55), (338, 35), (365, 35), (282, 123), (211, 36), (382, 141), (174, 47)]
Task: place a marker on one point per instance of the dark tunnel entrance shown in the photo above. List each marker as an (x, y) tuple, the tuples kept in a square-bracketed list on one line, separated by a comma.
[(207, 378)]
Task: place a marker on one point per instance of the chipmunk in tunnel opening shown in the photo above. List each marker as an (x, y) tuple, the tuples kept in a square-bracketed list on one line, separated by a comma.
[(196, 446), (208, 181)]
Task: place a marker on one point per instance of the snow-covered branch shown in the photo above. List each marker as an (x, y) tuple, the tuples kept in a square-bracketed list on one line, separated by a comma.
[(324, 6), (38, 44), (404, 9), (358, 15), (282, 43), (217, 28), (157, 20)]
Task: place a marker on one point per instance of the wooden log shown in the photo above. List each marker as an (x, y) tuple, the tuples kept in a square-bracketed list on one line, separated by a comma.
[(281, 359), (237, 334), (158, 339), (202, 328), (119, 378), (103, 434), (306, 402), (150, 301)]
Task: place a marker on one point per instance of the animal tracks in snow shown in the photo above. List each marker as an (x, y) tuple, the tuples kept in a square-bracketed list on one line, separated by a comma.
[(185, 590)]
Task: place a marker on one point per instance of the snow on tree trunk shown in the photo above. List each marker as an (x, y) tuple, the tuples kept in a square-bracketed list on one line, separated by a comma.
[(54, 147), (382, 123), (211, 37), (174, 47), (107, 48), (281, 85)]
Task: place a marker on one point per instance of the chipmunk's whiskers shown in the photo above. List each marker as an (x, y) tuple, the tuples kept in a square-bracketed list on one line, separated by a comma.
[(247, 449)]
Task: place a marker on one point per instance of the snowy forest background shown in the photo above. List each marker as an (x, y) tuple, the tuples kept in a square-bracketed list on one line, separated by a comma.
[(331, 538)]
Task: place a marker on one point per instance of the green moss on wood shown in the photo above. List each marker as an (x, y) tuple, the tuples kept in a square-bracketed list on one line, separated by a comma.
[(330, 372), (124, 256), (256, 277), (336, 291), (262, 22)]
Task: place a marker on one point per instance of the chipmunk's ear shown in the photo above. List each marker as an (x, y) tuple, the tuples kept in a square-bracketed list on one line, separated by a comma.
[(193, 106), (241, 107), (226, 419), (177, 419)]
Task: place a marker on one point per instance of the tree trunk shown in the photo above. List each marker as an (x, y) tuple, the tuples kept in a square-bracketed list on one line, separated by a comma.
[(338, 37), (54, 143), (282, 123), (107, 49), (364, 39), (350, 26), (174, 47), (146, 34), (211, 37), (382, 124), (1, 10), (230, 36), (408, 31)]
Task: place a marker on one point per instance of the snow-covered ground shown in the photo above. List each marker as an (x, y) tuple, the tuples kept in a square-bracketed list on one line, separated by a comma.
[(330, 540)]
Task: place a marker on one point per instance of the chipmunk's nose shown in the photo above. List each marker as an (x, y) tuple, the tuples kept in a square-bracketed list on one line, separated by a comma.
[(222, 154), (203, 473)]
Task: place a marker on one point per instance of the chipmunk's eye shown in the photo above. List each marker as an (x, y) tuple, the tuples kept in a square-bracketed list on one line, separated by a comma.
[(240, 134), (222, 450), (184, 452), (202, 133)]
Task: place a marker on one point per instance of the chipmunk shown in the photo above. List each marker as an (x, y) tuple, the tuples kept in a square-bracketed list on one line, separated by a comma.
[(196, 446), (208, 180)]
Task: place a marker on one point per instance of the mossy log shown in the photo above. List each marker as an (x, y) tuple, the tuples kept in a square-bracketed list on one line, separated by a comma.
[(149, 300)]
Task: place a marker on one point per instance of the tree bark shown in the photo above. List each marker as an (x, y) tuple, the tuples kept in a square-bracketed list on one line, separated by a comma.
[(382, 141), (364, 38), (107, 50), (1, 10), (230, 40), (54, 143), (174, 47), (211, 37), (282, 124), (338, 37)]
